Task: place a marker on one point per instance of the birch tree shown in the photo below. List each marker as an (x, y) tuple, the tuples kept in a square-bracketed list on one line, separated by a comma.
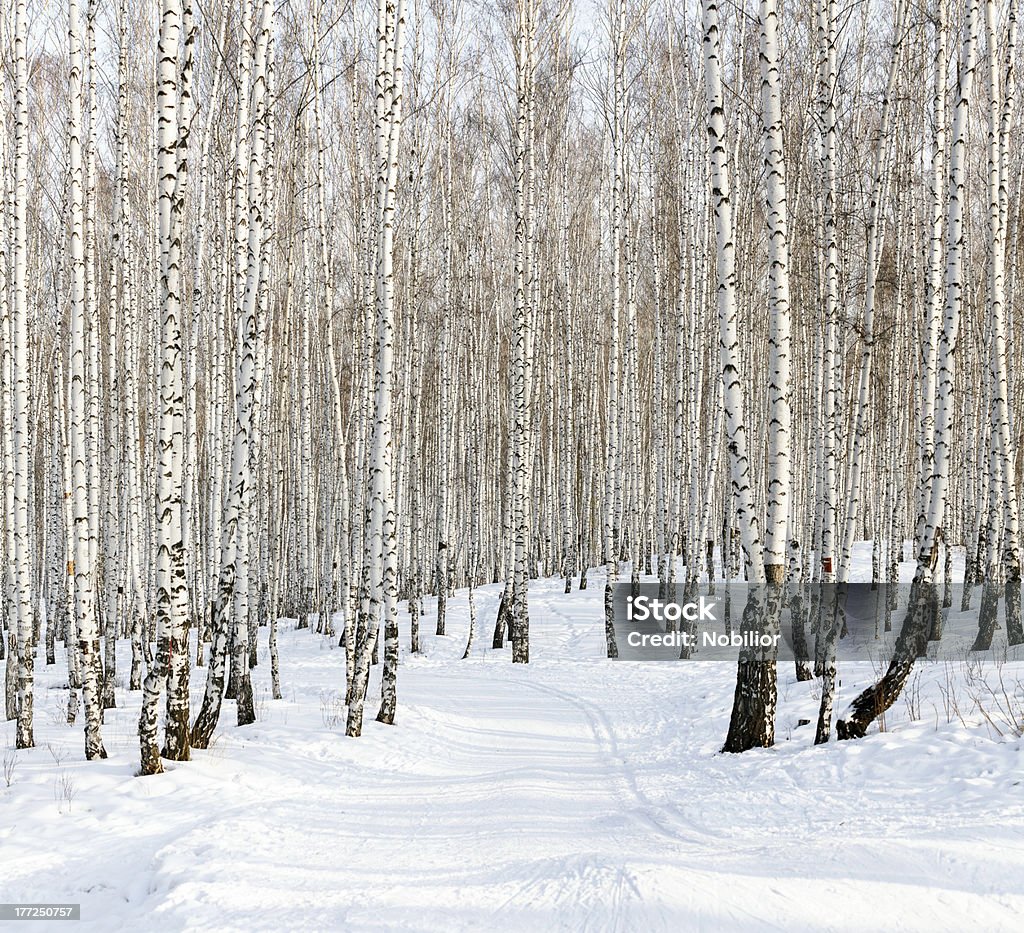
[(380, 543), (172, 651), (876, 699), (88, 646), (23, 478), (753, 715), (779, 419)]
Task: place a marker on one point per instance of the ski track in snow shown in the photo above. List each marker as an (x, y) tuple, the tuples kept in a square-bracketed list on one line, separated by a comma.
[(573, 793)]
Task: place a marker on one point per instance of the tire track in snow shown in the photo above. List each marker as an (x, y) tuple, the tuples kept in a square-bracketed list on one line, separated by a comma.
[(639, 806), (643, 809)]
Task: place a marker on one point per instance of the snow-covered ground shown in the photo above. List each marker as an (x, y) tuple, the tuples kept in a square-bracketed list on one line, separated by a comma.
[(574, 793)]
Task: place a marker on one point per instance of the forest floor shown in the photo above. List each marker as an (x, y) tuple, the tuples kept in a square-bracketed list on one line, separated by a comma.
[(573, 793)]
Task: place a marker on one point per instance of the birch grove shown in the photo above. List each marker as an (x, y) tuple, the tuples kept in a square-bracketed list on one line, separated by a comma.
[(326, 315)]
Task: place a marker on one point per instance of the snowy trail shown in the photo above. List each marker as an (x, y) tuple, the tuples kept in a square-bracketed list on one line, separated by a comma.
[(481, 817), (523, 770), (573, 793)]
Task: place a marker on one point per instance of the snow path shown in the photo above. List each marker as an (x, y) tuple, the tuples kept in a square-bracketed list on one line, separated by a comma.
[(573, 793)]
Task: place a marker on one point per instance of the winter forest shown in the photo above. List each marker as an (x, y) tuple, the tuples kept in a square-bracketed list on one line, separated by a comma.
[(360, 358)]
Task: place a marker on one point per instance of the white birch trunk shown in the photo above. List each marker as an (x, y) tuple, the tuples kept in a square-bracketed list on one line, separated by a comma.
[(85, 612)]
